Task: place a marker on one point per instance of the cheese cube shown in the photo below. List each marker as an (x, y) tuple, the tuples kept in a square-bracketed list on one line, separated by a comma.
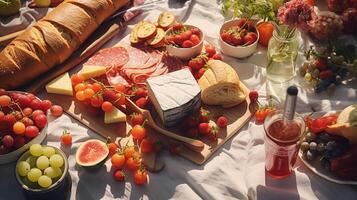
[(61, 85), (174, 95), (91, 71), (115, 116)]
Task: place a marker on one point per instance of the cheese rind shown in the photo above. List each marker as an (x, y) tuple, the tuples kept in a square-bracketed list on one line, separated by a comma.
[(174, 95), (91, 71), (60, 85), (115, 116)]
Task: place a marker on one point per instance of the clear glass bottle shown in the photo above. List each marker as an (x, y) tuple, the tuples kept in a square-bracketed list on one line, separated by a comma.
[(282, 55)]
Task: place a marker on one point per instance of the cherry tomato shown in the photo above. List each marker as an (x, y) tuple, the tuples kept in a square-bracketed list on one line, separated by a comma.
[(195, 39), (113, 148), (146, 146), (117, 160), (66, 138), (120, 88), (177, 26), (76, 79), (133, 163), (138, 132), (96, 101), (140, 177), (96, 87), (187, 44), (107, 106), (137, 119), (210, 50), (129, 151), (119, 175)]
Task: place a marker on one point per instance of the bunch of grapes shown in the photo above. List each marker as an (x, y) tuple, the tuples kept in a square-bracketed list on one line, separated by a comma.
[(324, 147), (42, 168), (323, 70), (22, 117)]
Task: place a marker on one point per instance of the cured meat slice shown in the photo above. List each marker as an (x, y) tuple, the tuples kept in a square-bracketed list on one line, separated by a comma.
[(137, 58), (110, 57), (114, 77)]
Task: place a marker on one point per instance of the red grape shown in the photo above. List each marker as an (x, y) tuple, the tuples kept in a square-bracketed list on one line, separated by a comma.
[(5, 100), (14, 96), (56, 110), (27, 121), (10, 119), (35, 104), (1, 116), (8, 141), (31, 96), (31, 131), (41, 120), (19, 141), (24, 101), (2, 91), (27, 112), (46, 104), (37, 112)]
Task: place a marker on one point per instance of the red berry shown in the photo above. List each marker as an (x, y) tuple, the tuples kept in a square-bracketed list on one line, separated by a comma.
[(35, 104), (41, 120), (113, 148), (195, 31), (210, 50), (140, 92), (190, 122), (187, 44), (178, 39), (46, 104), (222, 122), (195, 39), (217, 57), (204, 128), (7, 141), (31, 131), (186, 35), (177, 26), (9, 119), (326, 74), (321, 63), (36, 113), (119, 175), (56, 110), (141, 102), (19, 141), (200, 73), (203, 115), (253, 96), (24, 101), (146, 146)]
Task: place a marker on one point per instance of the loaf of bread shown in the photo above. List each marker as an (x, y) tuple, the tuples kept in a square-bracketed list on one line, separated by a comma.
[(220, 85), (52, 39)]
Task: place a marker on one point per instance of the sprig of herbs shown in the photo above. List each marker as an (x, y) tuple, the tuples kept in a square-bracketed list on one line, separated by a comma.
[(263, 9)]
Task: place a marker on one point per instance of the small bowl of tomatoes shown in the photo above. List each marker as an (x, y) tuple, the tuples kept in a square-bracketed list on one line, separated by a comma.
[(238, 38), (184, 41)]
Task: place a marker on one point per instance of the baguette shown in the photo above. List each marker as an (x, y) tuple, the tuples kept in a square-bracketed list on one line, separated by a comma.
[(52, 39)]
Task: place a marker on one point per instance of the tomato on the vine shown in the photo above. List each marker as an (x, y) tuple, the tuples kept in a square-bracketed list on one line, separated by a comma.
[(133, 163), (119, 175), (118, 160), (138, 132), (146, 146), (66, 138), (140, 176), (137, 119), (129, 151)]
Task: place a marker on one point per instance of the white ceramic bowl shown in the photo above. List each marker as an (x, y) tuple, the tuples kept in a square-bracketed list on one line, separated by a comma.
[(185, 53), (14, 155), (236, 51)]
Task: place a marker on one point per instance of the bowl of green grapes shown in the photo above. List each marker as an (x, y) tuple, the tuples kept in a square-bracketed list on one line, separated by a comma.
[(42, 169)]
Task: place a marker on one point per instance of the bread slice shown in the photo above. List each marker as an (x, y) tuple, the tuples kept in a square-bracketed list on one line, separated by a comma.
[(220, 85), (57, 39), (33, 41), (98, 9), (159, 37), (166, 19), (146, 30), (76, 20)]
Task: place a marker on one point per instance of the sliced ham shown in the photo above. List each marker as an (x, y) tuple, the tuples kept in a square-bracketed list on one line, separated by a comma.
[(137, 58)]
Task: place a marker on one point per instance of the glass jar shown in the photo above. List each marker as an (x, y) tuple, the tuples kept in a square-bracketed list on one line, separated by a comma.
[(282, 54)]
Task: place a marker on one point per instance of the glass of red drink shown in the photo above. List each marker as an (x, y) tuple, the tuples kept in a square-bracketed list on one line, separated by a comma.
[(282, 143)]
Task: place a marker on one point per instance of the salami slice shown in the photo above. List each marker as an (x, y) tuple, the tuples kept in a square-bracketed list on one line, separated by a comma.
[(137, 58), (110, 57)]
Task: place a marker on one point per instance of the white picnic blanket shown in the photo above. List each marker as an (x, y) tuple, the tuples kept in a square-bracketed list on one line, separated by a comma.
[(235, 171)]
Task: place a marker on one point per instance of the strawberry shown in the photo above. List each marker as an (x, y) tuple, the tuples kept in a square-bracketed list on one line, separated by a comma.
[(217, 57), (321, 63), (204, 128), (222, 122), (204, 115), (213, 134), (141, 102), (253, 96), (200, 73), (140, 92), (326, 74), (190, 122)]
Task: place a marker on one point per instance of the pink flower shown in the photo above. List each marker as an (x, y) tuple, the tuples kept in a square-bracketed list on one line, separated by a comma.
[(297, 13)]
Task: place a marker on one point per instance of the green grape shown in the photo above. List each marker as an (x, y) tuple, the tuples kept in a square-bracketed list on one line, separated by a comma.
[(42, 162), (34, 174), (36, 150), (48, 151), (44, 181), (23, 168), (56, 161), (308, 77), (53, 172), (32, 161)]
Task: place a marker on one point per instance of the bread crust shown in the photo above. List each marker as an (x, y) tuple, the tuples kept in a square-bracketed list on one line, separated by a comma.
[(53, 39)]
